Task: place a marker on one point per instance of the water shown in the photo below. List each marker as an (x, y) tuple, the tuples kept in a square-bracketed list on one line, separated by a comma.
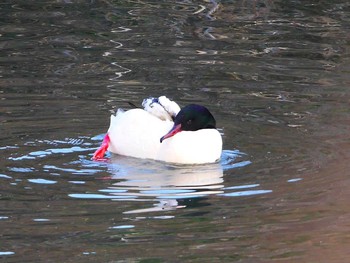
[(274, 74)]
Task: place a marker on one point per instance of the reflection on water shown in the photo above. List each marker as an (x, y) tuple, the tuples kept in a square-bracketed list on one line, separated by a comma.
[(275, 74), (147, 180), (138, 179)]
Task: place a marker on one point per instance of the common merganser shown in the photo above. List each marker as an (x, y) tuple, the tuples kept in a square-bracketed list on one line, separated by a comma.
[(161, 131)]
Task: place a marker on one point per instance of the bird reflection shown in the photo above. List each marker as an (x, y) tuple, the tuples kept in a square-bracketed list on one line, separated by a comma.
[(147, 180)]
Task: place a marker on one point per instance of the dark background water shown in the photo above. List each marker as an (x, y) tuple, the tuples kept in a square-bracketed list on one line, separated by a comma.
[(274, 73)]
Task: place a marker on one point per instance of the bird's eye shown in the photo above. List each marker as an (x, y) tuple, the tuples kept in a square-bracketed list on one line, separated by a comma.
[(189, 122)]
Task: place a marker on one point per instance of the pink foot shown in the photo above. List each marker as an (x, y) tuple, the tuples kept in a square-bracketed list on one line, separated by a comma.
[(100, 152)]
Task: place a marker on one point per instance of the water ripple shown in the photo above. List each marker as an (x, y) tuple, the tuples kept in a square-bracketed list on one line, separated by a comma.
[(247, 193), (121, 71), (41, 181), (121, 29), (134, 179), (78, 170)]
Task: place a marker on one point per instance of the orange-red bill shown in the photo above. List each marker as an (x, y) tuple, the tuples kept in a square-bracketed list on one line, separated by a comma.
[(171, 133)]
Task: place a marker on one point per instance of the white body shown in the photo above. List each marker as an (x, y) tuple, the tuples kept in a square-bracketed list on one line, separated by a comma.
[(137, 133)]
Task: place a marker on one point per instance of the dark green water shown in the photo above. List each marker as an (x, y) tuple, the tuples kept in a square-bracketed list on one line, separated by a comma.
[(275, 74)]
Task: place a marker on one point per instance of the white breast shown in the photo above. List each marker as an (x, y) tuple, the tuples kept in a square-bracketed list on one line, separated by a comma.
[(192, 147)]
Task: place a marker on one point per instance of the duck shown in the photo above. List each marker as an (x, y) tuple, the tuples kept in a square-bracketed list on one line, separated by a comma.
[(163, 131)]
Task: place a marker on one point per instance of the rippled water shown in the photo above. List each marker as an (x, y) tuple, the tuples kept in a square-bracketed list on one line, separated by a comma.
[(275, 75)]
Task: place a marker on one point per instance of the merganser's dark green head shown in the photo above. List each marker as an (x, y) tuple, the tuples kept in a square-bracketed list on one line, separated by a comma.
[(193, 117)]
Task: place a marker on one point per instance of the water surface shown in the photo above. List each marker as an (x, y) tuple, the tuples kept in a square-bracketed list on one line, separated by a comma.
[(274, 74)]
